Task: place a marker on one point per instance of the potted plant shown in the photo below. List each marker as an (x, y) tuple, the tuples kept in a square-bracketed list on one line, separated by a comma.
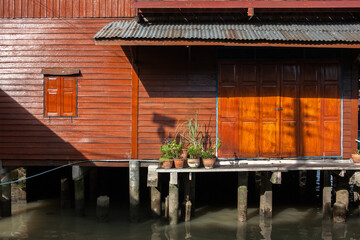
[(208, 155), (175, 149), (166, 161), (193, 136), (356, 156), (195, 153), (166, 158)]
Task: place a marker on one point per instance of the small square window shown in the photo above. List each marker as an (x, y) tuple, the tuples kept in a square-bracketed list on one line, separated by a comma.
[(60, 96)]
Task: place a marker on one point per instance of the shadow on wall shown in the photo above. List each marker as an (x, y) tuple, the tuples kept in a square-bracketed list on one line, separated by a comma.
[(26, 138)]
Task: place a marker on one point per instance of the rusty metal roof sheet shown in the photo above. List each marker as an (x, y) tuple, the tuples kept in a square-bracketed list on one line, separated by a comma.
[(327, 32)]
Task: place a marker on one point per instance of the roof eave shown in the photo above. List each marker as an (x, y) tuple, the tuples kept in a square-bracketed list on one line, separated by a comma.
[(162, 42)]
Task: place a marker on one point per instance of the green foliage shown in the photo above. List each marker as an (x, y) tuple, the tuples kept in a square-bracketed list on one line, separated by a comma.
[(210, 152), (191, 131), (171, 149), (165, 158), (195, 151), (357, 151)]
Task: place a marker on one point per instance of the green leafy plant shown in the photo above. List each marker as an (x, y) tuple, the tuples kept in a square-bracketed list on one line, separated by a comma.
[(210, 151), (191, 131), (195, 151), (165, 158), (357, 151), (171, 150)]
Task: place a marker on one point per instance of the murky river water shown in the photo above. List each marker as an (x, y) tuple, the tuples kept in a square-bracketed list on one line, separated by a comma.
[(45, 220)]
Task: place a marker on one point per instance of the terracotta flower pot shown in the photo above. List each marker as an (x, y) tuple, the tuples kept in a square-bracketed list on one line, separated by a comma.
[(355, 157), (179, 163), (209, 162), (167, 164), (193, 162)]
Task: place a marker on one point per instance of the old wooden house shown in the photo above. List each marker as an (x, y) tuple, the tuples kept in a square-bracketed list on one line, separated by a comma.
[(105, 81)]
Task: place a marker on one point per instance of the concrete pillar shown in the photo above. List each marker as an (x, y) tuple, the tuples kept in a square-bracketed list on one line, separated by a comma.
[(155, 190), (18, 189), (265, 196), (265, 225), (341, 205), (242, 196), (102, 208), (78, 177), (173, 199), (65, 196), (134, 190), (326, 195), (5, 199)]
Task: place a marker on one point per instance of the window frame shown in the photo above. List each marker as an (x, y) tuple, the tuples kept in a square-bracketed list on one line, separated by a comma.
[(45, 92)]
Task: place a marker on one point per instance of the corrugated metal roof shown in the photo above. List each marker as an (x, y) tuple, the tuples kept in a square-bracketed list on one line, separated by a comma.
[(328, 32)]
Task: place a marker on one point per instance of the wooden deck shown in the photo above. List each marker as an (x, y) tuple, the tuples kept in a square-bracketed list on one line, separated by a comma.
[(271, 165)]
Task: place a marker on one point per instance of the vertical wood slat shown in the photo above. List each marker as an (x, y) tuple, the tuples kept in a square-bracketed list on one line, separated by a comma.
[(69, 9), (12, 8), (114, 8), (24, 8), (96, 8), (89, 12), (43, 8), (102, 8), (76, 9), (6, 8), (36, 9), (50, 8), (134, 113), (62, 8), (82, 8), (30, 11), (17, 8), (1, 8), (56, 8), (108, 8)]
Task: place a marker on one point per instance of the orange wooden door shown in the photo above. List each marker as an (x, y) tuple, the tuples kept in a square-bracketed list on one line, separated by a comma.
[(280, 109)]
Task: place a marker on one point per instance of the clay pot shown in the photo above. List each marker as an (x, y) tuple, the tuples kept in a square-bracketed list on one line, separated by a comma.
[(183, 153), (167, 164), (193, 162), (355, 157), (209, 162), (179, 163)]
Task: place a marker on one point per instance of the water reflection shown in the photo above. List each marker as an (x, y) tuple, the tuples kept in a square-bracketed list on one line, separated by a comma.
[(45, 220)]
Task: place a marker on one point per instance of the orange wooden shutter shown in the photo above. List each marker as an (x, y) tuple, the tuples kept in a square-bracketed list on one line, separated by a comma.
[(52, 96), (68, 96)]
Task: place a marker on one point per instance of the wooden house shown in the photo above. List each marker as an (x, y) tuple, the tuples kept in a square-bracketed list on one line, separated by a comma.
[(104, 82)]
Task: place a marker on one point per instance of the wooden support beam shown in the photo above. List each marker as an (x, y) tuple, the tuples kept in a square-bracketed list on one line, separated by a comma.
[(134, 190), (265, 196), (246, 4), (173, 199), (134, 110), (78, 177), (242, 196), (326, 195), (65, 195), (5, 197)]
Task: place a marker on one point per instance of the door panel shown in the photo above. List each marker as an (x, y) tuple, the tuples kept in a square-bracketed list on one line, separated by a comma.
[(283, 109)]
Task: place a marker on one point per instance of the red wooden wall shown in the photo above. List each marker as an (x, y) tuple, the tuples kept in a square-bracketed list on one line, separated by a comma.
[(65, 8), (173, 87), (102, 128)]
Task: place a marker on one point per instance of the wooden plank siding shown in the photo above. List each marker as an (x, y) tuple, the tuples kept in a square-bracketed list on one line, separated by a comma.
[(66, 8), (170, 90), (103, 125)]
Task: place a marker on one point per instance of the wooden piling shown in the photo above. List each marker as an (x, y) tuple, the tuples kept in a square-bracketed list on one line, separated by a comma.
[(242, 196), (5, 198), (78, 177), (188, 208), (102, 208), (188, 211), (65, 196), (173, 199), (265, 209), (134, 190), (166, 207), (326, 191)]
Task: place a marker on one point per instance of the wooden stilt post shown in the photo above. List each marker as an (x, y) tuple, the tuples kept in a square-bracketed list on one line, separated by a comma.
[(242, 196), (93, 184), (78, 177), (5, 198), (65, 196), (155, 192), (265, 196), (326, 195), (134, 190), (173, 199), (342, 199), (188, 189), (102, 208), (192, 179)]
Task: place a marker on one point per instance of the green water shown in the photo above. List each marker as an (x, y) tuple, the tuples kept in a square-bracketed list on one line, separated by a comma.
[(45, 220)]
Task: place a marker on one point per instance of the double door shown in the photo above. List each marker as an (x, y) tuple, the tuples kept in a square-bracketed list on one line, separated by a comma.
[(279, 109)]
